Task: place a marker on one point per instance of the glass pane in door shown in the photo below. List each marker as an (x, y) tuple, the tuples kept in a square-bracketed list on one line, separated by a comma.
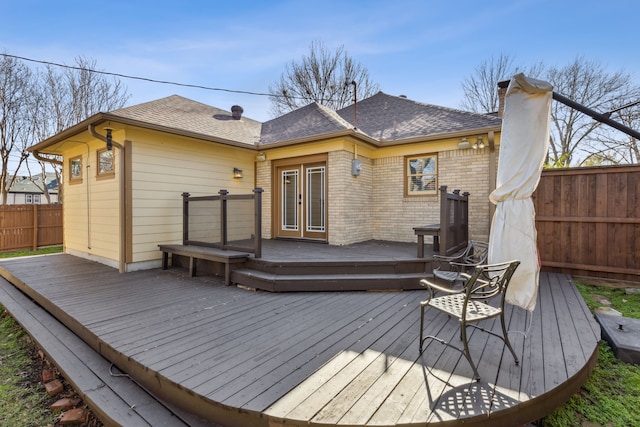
[(289, 191), (315, 199)]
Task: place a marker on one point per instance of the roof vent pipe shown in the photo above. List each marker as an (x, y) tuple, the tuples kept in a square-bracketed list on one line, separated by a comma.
[(236, 112)]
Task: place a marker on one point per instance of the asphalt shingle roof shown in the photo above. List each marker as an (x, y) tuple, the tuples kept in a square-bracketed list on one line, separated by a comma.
[(391, 118), (184, 114), (312, 120), (33, 184), (383, 117)]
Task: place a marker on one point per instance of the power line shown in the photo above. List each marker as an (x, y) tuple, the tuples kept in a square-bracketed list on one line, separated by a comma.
[(125, 76)]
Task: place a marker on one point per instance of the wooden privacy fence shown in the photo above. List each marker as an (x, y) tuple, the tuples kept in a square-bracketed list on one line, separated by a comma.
[(30, 226), (588, 221)]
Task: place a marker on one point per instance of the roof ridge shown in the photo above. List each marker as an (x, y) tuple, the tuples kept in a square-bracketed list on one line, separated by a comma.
[(333, 115)]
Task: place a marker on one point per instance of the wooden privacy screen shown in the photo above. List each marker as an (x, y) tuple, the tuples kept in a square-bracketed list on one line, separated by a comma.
[(588, 221), (30, 226)]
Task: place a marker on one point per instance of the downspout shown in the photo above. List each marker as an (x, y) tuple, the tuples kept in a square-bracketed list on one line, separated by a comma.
[(38, 156), (60, 163), (123, 214)]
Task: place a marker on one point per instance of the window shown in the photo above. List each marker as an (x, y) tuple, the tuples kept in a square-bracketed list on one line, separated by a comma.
[(421, 175), (75, 169), (32, 198), (105, 162)]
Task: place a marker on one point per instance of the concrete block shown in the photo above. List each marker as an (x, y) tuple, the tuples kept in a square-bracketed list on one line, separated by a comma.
[(623, 334)]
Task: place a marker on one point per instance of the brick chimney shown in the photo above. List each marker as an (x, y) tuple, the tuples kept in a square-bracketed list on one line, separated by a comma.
[(502, 90)]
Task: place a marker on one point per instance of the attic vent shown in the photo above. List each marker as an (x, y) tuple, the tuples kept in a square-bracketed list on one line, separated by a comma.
[(403, 96), (236, 112)]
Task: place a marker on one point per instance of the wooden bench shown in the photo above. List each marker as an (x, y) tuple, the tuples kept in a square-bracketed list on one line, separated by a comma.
[(428, 230), (195, 252)]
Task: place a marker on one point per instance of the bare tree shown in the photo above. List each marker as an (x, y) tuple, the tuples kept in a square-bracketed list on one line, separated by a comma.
[(627, 148), (325, 77), (87, 92), (480, 89), (16, 128), (575, 137), (67, 98), (609, 146)]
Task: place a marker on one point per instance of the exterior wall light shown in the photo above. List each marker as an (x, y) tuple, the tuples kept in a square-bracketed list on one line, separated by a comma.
[(261, 157), (109, 139), (237, 173), (478, 144), (464, 144)]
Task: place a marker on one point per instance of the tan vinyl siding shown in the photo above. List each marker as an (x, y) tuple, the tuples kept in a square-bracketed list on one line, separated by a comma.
[(91, 225), (163, 167)]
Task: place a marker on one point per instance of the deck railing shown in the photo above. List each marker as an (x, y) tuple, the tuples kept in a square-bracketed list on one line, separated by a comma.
[(454, 220), (225, 221)]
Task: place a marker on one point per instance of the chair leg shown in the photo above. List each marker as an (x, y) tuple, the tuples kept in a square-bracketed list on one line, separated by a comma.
[(506, 339), (467, 353), (421, 325)]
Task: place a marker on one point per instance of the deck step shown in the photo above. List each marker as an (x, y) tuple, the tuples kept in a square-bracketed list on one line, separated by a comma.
[(114, 398), (339, 266), (325, 282)]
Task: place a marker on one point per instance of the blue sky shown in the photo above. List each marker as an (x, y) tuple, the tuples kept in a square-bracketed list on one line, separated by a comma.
[(422, 49)]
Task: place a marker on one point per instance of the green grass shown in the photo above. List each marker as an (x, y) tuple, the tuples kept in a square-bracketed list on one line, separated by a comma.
[(23, 401), (42, 251), (628, 305), (611, 395)]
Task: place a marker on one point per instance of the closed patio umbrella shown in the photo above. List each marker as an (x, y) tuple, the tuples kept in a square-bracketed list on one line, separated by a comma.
[(523, 147)]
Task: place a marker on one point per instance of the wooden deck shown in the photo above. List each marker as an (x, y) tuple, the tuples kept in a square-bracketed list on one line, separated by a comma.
[(303, 266), (243, 358)]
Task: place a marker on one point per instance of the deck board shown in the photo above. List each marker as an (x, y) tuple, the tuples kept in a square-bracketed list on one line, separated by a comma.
[(311, 350), (311, 358)]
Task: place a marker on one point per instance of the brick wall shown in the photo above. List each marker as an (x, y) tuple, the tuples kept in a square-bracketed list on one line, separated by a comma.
[(395, 214), (263, 180), (350, 201), (373, 205), (469, 171)]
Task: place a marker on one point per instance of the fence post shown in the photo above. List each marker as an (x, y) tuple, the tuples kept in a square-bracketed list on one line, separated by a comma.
[(185, 218), (223, 217), (257, 248), (35, 227)]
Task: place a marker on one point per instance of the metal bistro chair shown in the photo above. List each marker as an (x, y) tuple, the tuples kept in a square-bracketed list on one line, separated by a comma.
[(474, 303), (475, 254)]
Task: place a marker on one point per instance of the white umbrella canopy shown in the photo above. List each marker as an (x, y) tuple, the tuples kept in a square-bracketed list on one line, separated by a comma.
[(523, 147)]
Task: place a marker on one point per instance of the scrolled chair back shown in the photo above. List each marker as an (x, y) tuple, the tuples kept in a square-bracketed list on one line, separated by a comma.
[(490, 280)]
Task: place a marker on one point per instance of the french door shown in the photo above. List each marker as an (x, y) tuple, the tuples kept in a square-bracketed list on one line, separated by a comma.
[(301, 202)]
